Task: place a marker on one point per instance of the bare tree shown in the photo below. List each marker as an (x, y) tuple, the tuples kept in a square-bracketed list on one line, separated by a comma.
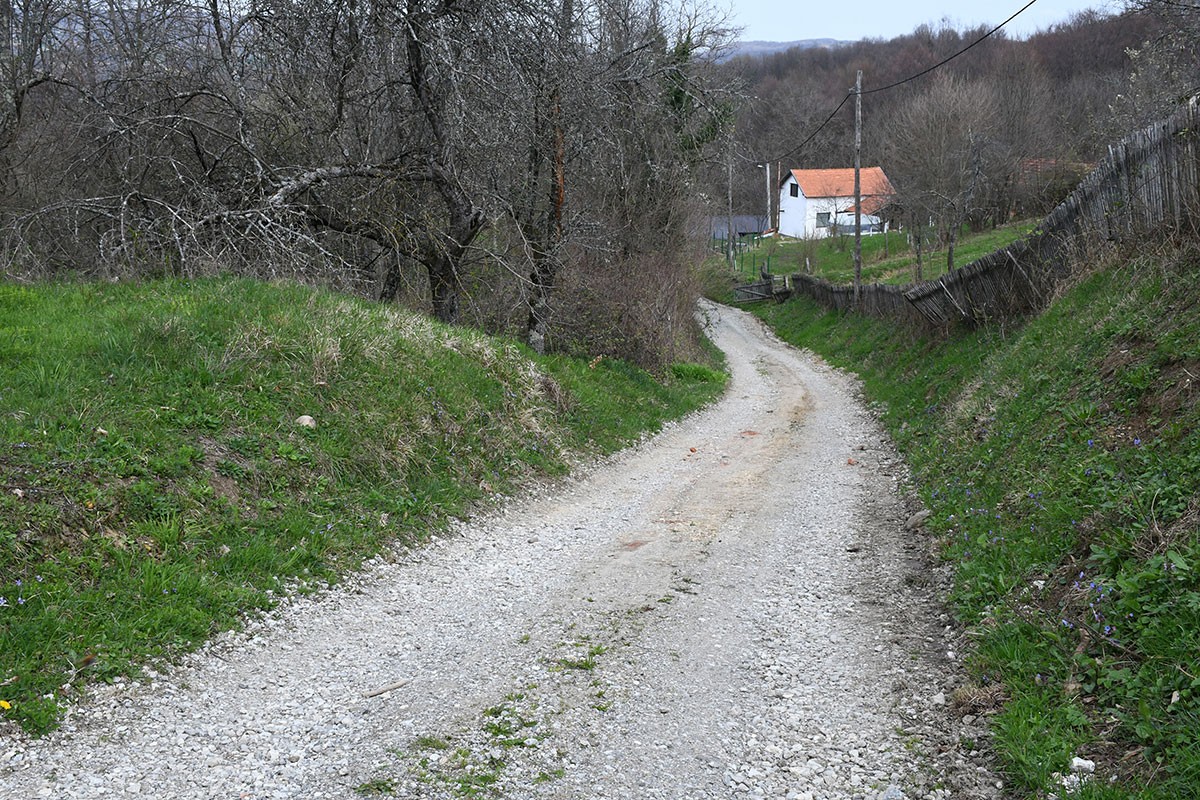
[(942, 152), (392, 148), (1166, 68)]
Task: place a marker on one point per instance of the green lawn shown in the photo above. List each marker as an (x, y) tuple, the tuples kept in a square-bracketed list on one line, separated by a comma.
[(887, 257)]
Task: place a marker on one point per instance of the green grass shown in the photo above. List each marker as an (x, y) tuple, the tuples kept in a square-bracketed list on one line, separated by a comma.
[(887, 258), (585, 662), (155, 487), (377, 787), (1061, 459), (465, 772)]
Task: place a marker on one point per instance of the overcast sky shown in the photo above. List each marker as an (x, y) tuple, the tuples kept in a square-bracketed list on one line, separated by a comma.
[(791, 20)]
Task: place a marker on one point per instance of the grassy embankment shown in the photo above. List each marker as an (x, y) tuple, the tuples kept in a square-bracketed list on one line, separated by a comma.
[(887, 258), (1061, 460), (154, 485)]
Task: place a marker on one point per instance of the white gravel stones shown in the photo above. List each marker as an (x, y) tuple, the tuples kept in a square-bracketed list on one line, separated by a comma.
[(1082, 766), (732, 620)]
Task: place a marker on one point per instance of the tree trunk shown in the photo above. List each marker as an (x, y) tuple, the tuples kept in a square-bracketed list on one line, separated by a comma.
[(443, 288), (539, 311), (442, 258), (390, 281), (918, 240)]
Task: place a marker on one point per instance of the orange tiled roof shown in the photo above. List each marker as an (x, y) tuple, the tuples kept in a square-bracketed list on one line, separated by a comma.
[(871, 204), (840, 183)]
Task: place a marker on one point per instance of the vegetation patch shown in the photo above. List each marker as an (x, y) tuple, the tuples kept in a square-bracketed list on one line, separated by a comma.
[(174, 455), (585, 660), (476, 764), (887, 258), (1061, 460), (377, 787)]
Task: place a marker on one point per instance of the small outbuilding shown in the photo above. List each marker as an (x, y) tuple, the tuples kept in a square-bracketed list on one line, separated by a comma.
[(743, 226)]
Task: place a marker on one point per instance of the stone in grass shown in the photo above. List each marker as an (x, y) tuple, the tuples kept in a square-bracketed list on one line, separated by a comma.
[(1082, 765), (1072, 784), (305, 421), (917, 520)]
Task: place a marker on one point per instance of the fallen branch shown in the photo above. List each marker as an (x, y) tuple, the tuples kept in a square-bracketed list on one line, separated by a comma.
[(388, 688)]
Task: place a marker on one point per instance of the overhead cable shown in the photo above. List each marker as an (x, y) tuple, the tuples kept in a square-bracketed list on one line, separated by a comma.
[(909, 79)]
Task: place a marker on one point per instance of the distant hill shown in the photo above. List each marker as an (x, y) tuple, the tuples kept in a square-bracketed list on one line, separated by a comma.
[(760, 49)]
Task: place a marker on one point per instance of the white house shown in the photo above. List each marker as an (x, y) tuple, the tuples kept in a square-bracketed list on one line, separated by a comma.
[(814, 203)]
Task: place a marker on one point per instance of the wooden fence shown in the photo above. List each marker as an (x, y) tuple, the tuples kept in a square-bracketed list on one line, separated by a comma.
[(1148, 184), (876, 299)]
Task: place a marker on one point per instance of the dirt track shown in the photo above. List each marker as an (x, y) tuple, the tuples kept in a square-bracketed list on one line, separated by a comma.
[(727, 610)]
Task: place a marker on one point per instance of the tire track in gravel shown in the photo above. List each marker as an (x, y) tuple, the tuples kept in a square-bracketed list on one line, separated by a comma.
[(724, 611)]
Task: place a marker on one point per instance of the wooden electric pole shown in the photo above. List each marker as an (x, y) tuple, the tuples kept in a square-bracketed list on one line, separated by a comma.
[(778, 175), (857, 187), (729, 230)]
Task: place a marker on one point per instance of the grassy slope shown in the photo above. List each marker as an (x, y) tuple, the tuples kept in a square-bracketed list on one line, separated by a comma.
[(885, 260), (1061, 460), (154, 484)]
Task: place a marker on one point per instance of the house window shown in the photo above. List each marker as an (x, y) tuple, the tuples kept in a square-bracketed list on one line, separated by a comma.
[(823, 219), (795, 188)]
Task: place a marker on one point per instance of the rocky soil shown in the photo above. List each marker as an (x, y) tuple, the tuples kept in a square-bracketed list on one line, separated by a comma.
[(732, 609)]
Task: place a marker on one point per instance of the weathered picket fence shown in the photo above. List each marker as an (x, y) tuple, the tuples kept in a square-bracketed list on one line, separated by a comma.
[(1148, 184), (876, 299)]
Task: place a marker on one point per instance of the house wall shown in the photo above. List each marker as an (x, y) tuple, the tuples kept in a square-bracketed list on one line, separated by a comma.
[(824, 205), (870, 224), (793, 211), (798, 215)]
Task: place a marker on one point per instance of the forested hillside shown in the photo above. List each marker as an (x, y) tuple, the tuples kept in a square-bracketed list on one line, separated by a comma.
[(537, 168), (1004, 130), (505, 164)]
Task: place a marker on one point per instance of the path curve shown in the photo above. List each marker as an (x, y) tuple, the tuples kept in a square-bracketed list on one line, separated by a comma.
[(731, 609)]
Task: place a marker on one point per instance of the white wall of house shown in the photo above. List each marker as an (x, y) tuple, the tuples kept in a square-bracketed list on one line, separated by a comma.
[(808, 218), (870, 223), (793, 209), (815, 218), (822, 215)]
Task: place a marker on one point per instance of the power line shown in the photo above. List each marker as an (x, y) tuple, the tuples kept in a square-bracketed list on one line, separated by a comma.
[(909, 79), (813, 135), (944, 62)]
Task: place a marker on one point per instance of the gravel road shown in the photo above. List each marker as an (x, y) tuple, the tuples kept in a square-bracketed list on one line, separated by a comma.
[(731, 609)]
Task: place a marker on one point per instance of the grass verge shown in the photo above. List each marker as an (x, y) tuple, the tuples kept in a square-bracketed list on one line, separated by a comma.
[(156, 482), (887, 258), (1061, 460)]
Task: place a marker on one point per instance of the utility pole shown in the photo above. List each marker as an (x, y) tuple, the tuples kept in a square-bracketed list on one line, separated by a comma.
[(767, 169), (778, 175), (857, 187), (729, 234)]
